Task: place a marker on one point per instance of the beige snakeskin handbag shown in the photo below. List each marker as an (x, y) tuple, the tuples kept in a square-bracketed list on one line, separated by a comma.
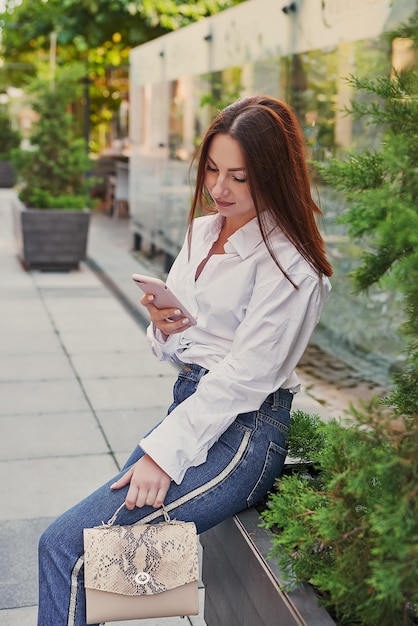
[(140, 571)]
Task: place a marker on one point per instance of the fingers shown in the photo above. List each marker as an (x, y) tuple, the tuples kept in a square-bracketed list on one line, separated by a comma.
[(147, 299), (139, 497), (122, 482), (159, 500), (132, 498), (171, 327), (148, 484), (164, 319)]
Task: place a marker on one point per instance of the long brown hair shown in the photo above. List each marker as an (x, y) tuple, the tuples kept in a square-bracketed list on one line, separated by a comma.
[(273, 147)]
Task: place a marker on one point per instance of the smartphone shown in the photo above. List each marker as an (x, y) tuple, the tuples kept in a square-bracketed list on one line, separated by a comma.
[(164, 298)]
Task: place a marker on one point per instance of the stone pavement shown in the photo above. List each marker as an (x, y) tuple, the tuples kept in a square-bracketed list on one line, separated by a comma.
[(78, 389)]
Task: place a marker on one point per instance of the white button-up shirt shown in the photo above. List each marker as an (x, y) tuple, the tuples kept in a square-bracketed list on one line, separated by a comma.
[(252, 328)]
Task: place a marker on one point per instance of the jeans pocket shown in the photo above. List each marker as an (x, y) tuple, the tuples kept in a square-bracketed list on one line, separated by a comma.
[(272, 468)]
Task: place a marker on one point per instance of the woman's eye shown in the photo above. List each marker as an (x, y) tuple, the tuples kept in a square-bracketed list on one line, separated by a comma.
[(240, 180), (209, 168)]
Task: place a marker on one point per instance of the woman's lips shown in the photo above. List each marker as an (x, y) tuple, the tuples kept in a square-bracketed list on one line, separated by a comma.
[(223, 205)]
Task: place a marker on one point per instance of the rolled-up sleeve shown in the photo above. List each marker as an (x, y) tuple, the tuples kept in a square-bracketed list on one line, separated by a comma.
[(163, 349)]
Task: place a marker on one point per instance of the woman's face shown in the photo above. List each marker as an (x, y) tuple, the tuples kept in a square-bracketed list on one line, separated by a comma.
[(226, 180)]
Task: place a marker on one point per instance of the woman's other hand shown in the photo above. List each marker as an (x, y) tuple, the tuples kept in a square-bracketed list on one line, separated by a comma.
[(148, 484), (161, 317)]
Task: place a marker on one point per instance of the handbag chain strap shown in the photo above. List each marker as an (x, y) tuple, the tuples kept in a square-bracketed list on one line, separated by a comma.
[(115, 514)]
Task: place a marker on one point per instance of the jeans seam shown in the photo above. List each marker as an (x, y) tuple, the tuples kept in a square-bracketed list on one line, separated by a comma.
[(273, 422), (74, 590), (273, 448)]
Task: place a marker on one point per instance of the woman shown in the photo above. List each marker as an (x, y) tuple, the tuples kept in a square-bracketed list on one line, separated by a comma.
[(254, 272)]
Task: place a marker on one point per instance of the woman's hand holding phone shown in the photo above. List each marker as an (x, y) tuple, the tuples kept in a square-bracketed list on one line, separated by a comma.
[(166, 320), (166, 312)]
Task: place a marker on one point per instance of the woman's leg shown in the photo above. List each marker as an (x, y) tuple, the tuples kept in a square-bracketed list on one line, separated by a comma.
[(241, 466), (61, 589)]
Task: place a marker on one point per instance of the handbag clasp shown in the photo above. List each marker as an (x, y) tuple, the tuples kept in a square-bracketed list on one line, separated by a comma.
[(142, 578)]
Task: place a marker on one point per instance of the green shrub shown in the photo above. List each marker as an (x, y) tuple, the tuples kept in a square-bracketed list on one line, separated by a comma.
[(57, 163), (351, 530), (40, 198), (306, 437)]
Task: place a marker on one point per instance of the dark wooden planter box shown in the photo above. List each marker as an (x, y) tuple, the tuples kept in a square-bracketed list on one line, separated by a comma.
[(51, 239), (7, 175), (242, 587)]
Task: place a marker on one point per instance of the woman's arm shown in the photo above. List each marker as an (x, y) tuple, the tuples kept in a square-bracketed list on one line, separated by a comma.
[(267, 346)]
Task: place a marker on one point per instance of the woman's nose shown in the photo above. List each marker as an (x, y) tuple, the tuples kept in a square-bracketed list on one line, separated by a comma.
[(220, 188)]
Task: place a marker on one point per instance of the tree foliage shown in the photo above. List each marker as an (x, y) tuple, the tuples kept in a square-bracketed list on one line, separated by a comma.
[(99, 33), (381, 186), (83, 25)]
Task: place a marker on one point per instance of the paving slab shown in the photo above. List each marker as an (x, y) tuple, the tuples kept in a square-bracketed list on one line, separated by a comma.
[(30, 341), (128, 393), (80, 279), (69, 291), (136, 363), (105, 321), (36, 436), (42, 396), (19, 367), (25, 616), (12, 274), (24, 292), (125, 428), (18, 558), (78, 305), (18, 319), (100, 340), (34, 488)]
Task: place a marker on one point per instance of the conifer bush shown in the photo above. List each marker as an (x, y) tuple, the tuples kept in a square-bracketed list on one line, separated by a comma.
[(351, 528), (53, 172)]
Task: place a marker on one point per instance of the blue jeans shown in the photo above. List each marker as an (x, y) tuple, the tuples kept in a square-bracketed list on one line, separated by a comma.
[(240, 468)]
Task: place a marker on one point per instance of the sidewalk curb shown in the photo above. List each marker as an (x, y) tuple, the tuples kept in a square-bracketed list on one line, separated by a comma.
[(134, 311)]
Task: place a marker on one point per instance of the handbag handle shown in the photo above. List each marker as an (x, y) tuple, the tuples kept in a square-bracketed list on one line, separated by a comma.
[(115, 514)]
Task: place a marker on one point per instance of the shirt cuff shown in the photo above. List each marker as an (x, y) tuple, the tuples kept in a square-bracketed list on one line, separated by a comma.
[(174, 463), (161, 348)]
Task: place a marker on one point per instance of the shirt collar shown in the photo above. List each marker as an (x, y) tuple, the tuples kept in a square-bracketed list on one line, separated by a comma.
[(213, 229), (244, 240)]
